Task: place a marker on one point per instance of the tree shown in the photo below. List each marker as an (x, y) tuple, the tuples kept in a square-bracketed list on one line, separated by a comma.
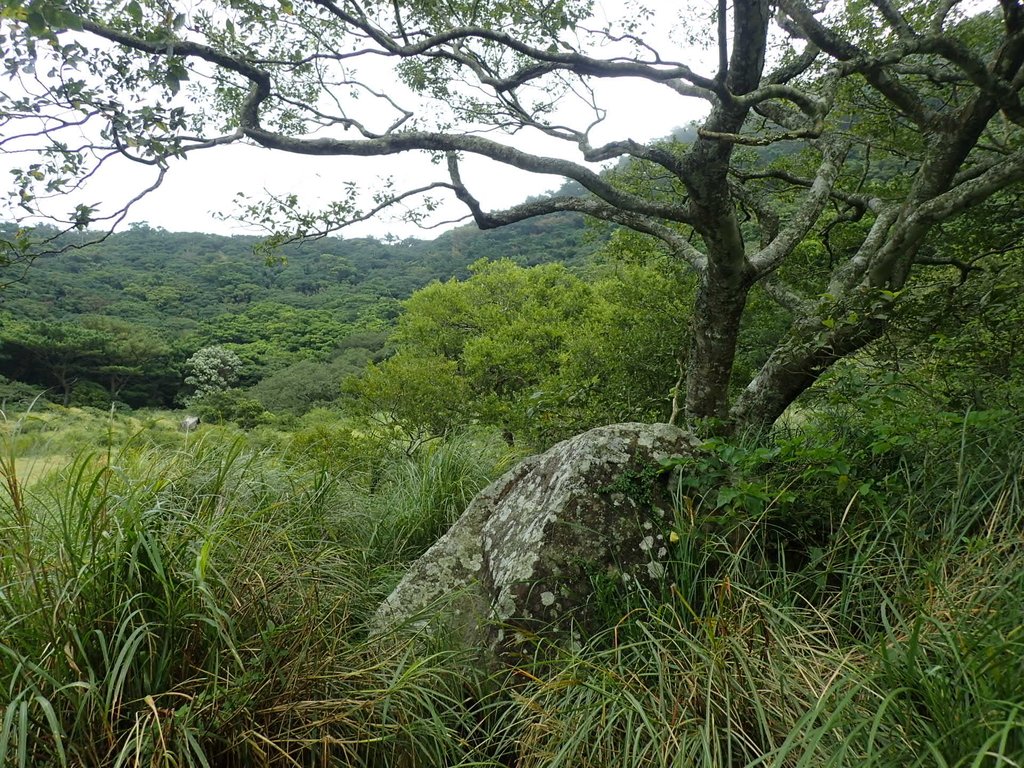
[(617, 365), (308, 384), (55, 354), (424, 397), (903, 114), (538, 352), (130, 353), (504, 333), (219, 406), (212, 370), (108, 353)]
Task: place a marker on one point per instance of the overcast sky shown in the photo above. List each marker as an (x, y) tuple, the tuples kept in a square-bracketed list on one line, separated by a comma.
[(198, 188)]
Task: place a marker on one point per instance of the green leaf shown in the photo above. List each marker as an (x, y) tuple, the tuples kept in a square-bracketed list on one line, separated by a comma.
[(56, 731), (726, 495), (6, 731), (135, 11), (15, 11), (36, 23)]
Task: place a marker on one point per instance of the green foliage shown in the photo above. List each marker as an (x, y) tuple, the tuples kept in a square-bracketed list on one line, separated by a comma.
[(96, 352), (269, 335), (212, 370), (623, 362), (308, 384), (301, 308), (502, 300), (145, 275), (15, 396), (132, 354), (793, 485), (219, 406), (422, 397), (88, 394), (962, 346), (328, 440), (539, 353), (196, 599), (52, 354)]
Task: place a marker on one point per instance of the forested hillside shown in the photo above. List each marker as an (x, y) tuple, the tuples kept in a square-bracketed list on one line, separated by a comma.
[(369, 523), (117, 319)]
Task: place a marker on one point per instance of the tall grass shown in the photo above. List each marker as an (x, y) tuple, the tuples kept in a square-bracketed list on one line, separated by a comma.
[(422, 496), (202, 601), (900, 642), (194, 607)]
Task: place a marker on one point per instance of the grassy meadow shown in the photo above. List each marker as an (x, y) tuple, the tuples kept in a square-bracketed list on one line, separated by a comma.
[(172, 599)]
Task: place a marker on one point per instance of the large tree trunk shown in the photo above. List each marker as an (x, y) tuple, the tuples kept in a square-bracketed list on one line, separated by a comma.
[(718, 309), (727, 276), (822, 337), (66, 386)]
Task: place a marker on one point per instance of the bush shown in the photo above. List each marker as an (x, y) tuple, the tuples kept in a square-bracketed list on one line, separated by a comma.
[(231, 405), (16, 396), (89, 394)]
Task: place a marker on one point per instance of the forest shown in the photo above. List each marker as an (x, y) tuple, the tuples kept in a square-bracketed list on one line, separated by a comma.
[(819, 282), (116, 321)]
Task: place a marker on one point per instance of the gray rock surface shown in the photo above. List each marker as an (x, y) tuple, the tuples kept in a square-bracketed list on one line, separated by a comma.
[(530, 548)]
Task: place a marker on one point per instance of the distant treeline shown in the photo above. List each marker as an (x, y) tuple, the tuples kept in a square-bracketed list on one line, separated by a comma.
[(116, 320)]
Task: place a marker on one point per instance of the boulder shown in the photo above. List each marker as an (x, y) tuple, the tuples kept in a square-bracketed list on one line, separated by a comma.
[(532, 548)]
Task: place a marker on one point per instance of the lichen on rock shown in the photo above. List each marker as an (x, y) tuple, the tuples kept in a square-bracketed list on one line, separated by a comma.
[(526, 552)]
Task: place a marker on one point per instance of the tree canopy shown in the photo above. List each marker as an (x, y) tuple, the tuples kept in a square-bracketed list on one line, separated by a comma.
[(842, 143), (539, 353)]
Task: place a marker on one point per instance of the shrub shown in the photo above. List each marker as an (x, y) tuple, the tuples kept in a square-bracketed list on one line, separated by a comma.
[(232, 405), (14, 395)]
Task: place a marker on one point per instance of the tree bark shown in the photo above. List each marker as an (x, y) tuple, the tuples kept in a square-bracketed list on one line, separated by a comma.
[(727, 277), (66, 385), (718, 310)]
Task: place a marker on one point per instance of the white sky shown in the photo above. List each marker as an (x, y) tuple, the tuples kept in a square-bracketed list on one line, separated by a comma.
[(197, 188)]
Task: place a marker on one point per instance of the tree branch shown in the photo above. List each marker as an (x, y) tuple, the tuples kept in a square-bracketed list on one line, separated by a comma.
[(442, 142), (768, 259), (852, 272), (676, 241), (856, 59), (547, 59), (787, 297), (973, 191), (896, 19)]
